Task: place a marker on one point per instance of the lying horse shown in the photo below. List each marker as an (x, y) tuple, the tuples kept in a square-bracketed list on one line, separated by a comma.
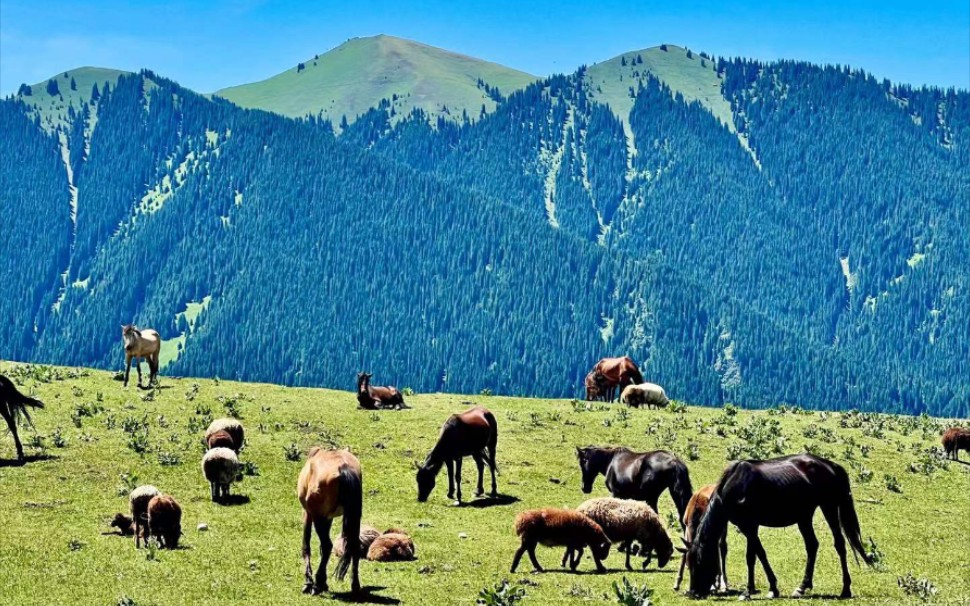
[(616, 374), (145, 343), (13, 407), (330, 486), (472, 433), (372, 398), (776, 493), (696, 509), (639, 476)]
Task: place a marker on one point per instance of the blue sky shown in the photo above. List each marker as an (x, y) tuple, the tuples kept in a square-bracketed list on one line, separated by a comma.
[(210, 45)]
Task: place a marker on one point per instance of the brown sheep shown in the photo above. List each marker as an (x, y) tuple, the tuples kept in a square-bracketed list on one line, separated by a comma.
[(625, 521), (220, 439), (367, 536), (554, 527), (165, 521), (231, 426), (391, 547), (124, 524), (956, 439)]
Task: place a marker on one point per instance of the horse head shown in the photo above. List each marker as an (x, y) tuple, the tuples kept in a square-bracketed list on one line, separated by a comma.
[(129, 334), (426, 479), (363, 381), (702, 568), (589, 465)]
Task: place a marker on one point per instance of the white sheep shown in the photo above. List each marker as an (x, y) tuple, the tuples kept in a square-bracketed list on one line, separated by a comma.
[(221, 468), (139, 499), (645, 394), (232, 427), (625, 521)]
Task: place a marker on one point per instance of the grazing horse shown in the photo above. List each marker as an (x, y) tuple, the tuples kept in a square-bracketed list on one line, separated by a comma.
[(776, 493), (330, 486), (139, 344), (595, 387), (641, 476), (372, 398), (616, 374), (13, 407), (696, 509), (471, 433), (956, 439)]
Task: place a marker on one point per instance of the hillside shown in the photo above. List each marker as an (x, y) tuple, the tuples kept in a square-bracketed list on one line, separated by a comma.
[(360, 73), (72, 88), (94, 441)]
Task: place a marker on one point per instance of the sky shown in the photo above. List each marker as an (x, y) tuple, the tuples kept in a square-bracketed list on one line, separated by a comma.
[(207, 46)]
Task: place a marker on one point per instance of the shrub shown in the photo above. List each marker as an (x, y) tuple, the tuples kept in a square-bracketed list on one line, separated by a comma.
[(250, 469), (169, 459), (485, 392), (628, 594), (693, 452), (865, 475), (126, 483), (58, 439), (876, 555), (292, 452), (676, 407), (407, 391), (920, 588), (501, 594), (892, 483)]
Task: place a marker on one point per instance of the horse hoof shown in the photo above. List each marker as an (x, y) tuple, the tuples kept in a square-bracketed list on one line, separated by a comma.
[(773, 594), (845, 595), (308, 588), (479, 494), (456, 504)]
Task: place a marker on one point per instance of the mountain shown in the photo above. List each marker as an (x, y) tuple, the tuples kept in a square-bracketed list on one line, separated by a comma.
[(53, 97), (796, 236), (363, 72)]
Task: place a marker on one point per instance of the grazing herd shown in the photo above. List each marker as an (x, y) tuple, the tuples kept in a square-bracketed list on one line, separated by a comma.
[(780, 492)]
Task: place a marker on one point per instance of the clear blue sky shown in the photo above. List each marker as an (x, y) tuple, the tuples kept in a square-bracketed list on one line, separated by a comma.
[(210, 45)]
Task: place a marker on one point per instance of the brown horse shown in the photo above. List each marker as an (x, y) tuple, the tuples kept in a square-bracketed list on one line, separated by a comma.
[(473, 433), (617, 373), (331, 486), (146, 344), (372, 398), (13, 407), (696, 508), (956, 439), (596, 388)]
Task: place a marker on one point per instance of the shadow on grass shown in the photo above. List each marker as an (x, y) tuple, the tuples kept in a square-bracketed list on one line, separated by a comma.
[(367, 595), (496, 501), (233, 500), (27, 459)]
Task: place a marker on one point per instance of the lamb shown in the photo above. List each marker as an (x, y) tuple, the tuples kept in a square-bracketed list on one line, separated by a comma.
[(956, 439), (392, 546), (645, 394), (221, 468), (625, 521), (124, 524), (367, 536), (165, 521), (139, 499), (231, 426), (559, 527), (695, 510)]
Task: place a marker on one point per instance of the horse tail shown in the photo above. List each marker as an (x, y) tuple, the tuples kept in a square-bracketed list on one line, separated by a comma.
[(492, 439), (681, 490), (352, 500), (16, 401), (848, 518)]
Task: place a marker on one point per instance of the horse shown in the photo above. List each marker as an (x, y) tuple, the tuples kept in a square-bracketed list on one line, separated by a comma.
[(956, 439), (13, 407), (696, 509), (616, 374), (642, 476), (145, 343), (471, 433), (330, 486), (372, 398), (776, 493)]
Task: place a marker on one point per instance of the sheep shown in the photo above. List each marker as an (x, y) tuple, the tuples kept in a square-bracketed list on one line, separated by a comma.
[(956, 439), (367, 536), (392, 546), (165, 521), (645, 394), (124, 524), (220, 439), (559, 527), (139, 499), (231, 426), (625, 521), (221, 468)]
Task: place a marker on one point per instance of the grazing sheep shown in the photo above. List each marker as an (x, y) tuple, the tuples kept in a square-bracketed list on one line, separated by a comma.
[(393, 546), (645, 394), (625, 521), (124, 524), (165, 521), (220, 439), (221, 468), (139, 499), (956, 439), (231, 426), (559, 528), (367, 536)]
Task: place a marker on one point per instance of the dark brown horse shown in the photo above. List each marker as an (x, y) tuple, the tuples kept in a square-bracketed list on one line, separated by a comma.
[(776, 493), (642, 476), (956, 439), (372, 398), (473, 433), (614, 374), (13, 407)]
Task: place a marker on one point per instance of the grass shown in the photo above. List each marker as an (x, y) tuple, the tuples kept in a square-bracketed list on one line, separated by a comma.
[(55, 510), (53, 109), (355, 76)]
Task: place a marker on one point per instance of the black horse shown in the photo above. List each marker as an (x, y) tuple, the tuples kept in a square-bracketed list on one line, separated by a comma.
[(776, 493), (473, 433), (642, 476), (13, 406)]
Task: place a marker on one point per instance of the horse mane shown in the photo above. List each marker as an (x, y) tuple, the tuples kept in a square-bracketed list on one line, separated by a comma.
[(711, 528)]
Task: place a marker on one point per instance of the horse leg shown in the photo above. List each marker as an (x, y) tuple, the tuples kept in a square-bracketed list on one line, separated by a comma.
[(458, 480), (322, 526), (680, 573), (127, 369), (760, 551), (811, 550), (831, 514), (12, 425), (724, 548), (491, 468), (153, 369), (138, 368), (449, 463), (480, 463), (750, 555)]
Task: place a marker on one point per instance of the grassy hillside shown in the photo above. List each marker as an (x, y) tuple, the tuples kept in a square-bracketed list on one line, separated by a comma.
[(53, 108), (56, 508), (357, 75)]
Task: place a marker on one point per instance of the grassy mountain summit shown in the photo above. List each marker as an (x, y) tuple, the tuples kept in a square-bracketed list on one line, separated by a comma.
[(70, 88), (358, 74)]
